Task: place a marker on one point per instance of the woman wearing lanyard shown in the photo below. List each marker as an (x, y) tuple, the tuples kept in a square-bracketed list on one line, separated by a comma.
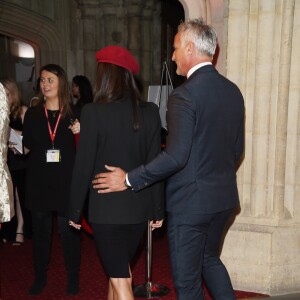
[(48, 138)]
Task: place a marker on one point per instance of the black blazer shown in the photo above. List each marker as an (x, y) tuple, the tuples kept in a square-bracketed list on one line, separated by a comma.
[(107, 138), (204, 144)]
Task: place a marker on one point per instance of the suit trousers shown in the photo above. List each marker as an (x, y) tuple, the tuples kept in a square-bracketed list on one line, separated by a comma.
[(195, 242), (42, 235)]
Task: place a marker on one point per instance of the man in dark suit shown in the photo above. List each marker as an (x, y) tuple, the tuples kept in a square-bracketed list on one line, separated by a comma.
[(205, 144)]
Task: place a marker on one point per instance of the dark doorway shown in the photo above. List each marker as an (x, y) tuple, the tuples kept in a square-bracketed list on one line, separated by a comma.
[(17, 60)]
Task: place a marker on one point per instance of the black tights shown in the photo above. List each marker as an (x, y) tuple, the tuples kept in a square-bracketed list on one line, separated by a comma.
[(42, 223)]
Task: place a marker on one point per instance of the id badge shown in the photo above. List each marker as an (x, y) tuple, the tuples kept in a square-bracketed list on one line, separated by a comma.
[(53, 155)]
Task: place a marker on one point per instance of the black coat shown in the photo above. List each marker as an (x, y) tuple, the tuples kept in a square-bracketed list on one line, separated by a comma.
[(107, 138)]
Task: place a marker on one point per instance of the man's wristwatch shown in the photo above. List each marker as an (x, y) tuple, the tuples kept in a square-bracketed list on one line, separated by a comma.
[(126, 184)]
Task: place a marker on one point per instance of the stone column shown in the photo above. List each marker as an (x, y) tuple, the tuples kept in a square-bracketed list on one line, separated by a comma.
[(262, 249)]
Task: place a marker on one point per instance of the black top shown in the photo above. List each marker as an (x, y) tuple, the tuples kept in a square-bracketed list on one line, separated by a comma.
[(107, 137), (47, 183)]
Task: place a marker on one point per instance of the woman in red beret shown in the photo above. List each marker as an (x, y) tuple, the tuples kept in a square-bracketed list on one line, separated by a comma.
[(118, 129)]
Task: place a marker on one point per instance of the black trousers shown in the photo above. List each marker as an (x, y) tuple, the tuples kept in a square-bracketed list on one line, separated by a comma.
[(42, 223), (195, 241)]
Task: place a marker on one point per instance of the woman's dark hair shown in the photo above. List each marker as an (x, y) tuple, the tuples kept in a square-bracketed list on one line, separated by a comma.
[(85, 89), (64, 93), (113, 83), (37, 87)]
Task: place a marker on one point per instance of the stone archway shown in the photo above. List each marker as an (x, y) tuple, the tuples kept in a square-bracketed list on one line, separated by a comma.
[(197, 8), (40, 32)]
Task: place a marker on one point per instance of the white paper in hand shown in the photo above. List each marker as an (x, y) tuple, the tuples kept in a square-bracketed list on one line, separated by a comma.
[(16, 140)]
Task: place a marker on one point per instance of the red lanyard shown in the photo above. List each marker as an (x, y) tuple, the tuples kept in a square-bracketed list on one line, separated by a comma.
[(52, 134)]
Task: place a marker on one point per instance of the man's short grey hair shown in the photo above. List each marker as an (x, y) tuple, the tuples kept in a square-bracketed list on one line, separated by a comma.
[(202, 35)]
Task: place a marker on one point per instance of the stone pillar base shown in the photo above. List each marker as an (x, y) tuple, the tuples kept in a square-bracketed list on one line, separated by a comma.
[(263, 259)]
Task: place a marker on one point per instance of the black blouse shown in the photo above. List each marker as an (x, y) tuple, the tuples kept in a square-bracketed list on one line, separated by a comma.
[(47, 183)]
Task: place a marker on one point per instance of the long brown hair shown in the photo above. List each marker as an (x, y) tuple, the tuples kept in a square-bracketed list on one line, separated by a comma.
[(16, 105), (113, 83), (85, 89), (64, 92)]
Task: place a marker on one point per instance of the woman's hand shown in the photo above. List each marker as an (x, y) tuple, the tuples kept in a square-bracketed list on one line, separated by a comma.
[(76, 226), (11, 147), (75, 127), (156, 224), (26, 151)]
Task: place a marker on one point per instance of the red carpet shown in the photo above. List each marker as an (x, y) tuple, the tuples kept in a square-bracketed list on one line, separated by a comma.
[(16, 272)]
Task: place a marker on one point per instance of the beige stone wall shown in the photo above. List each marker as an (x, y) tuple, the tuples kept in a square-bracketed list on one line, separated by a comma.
[(264, 63), (261, 63)]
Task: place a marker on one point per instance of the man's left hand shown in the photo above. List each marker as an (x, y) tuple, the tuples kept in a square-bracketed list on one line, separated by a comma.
[(112, 181)]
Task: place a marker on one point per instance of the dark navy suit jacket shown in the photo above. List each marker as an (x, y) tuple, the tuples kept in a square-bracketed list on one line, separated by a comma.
[(205, 141)]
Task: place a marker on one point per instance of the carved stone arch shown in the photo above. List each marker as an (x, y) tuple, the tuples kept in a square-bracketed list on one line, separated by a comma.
[(38, 31), (197, 8)]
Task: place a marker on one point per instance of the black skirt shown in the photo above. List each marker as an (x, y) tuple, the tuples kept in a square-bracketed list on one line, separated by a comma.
[(117, 245)]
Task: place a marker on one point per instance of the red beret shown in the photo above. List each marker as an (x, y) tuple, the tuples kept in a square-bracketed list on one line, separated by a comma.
[(118, 56)]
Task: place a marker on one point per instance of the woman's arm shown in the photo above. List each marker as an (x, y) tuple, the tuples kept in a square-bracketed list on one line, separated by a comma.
[(26, 151), (84, 162), (24, 109)]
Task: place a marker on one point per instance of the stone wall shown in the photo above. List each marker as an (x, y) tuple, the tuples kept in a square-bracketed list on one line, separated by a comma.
[(70, 32)]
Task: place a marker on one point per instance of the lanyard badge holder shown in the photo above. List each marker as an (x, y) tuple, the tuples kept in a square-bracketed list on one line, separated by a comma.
[(52, 155)]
